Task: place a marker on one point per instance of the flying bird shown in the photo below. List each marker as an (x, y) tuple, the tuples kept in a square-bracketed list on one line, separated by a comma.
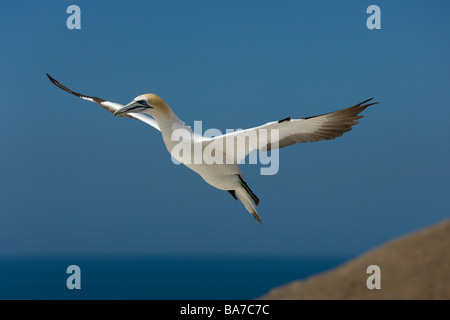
[(226, 175)]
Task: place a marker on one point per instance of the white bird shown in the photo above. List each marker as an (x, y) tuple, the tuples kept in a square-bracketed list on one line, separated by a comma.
[(227, 175)]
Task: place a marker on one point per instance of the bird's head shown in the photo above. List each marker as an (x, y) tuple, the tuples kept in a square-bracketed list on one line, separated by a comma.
[(148, 103)]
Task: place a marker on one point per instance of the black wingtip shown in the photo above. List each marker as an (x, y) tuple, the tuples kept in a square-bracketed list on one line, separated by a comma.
[(50, 78), (361, 103), (365, 103), (56, 83), (59, 85)]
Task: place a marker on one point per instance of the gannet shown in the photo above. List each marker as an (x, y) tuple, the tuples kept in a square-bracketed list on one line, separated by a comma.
[(227, 176)]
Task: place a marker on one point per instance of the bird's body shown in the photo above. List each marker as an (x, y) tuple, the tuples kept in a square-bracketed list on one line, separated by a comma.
[(230, 149), (221, 176)]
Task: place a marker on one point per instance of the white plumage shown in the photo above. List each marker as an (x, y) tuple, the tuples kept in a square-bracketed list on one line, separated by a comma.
[(226, 175)]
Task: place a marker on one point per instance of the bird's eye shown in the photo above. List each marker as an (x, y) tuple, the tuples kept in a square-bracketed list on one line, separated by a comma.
[(144, 102)]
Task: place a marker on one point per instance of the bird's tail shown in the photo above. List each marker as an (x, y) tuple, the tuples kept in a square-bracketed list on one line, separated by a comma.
[(246, 199)]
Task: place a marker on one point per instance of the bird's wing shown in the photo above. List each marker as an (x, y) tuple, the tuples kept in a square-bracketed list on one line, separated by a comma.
[(108, 105), (328, 126)]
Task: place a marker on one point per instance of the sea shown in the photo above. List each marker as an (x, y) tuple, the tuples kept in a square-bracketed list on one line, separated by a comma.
[(153, 277)]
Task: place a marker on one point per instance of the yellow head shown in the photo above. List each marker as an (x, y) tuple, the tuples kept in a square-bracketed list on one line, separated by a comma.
[(148, 103)]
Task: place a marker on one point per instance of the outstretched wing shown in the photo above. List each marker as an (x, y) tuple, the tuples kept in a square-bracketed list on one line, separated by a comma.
[(279, 134), (108, 105)]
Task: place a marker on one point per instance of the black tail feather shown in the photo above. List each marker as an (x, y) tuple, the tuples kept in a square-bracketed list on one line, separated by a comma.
[(249, 191), (233, 194)]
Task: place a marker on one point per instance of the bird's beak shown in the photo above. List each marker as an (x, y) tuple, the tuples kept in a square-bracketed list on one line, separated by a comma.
[(132, 107)]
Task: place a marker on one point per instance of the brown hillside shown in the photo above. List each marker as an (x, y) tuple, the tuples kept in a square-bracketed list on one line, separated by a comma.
[(416, 266)]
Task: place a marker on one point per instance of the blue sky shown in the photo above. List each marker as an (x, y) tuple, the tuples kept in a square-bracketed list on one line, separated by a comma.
[(76, 180)]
